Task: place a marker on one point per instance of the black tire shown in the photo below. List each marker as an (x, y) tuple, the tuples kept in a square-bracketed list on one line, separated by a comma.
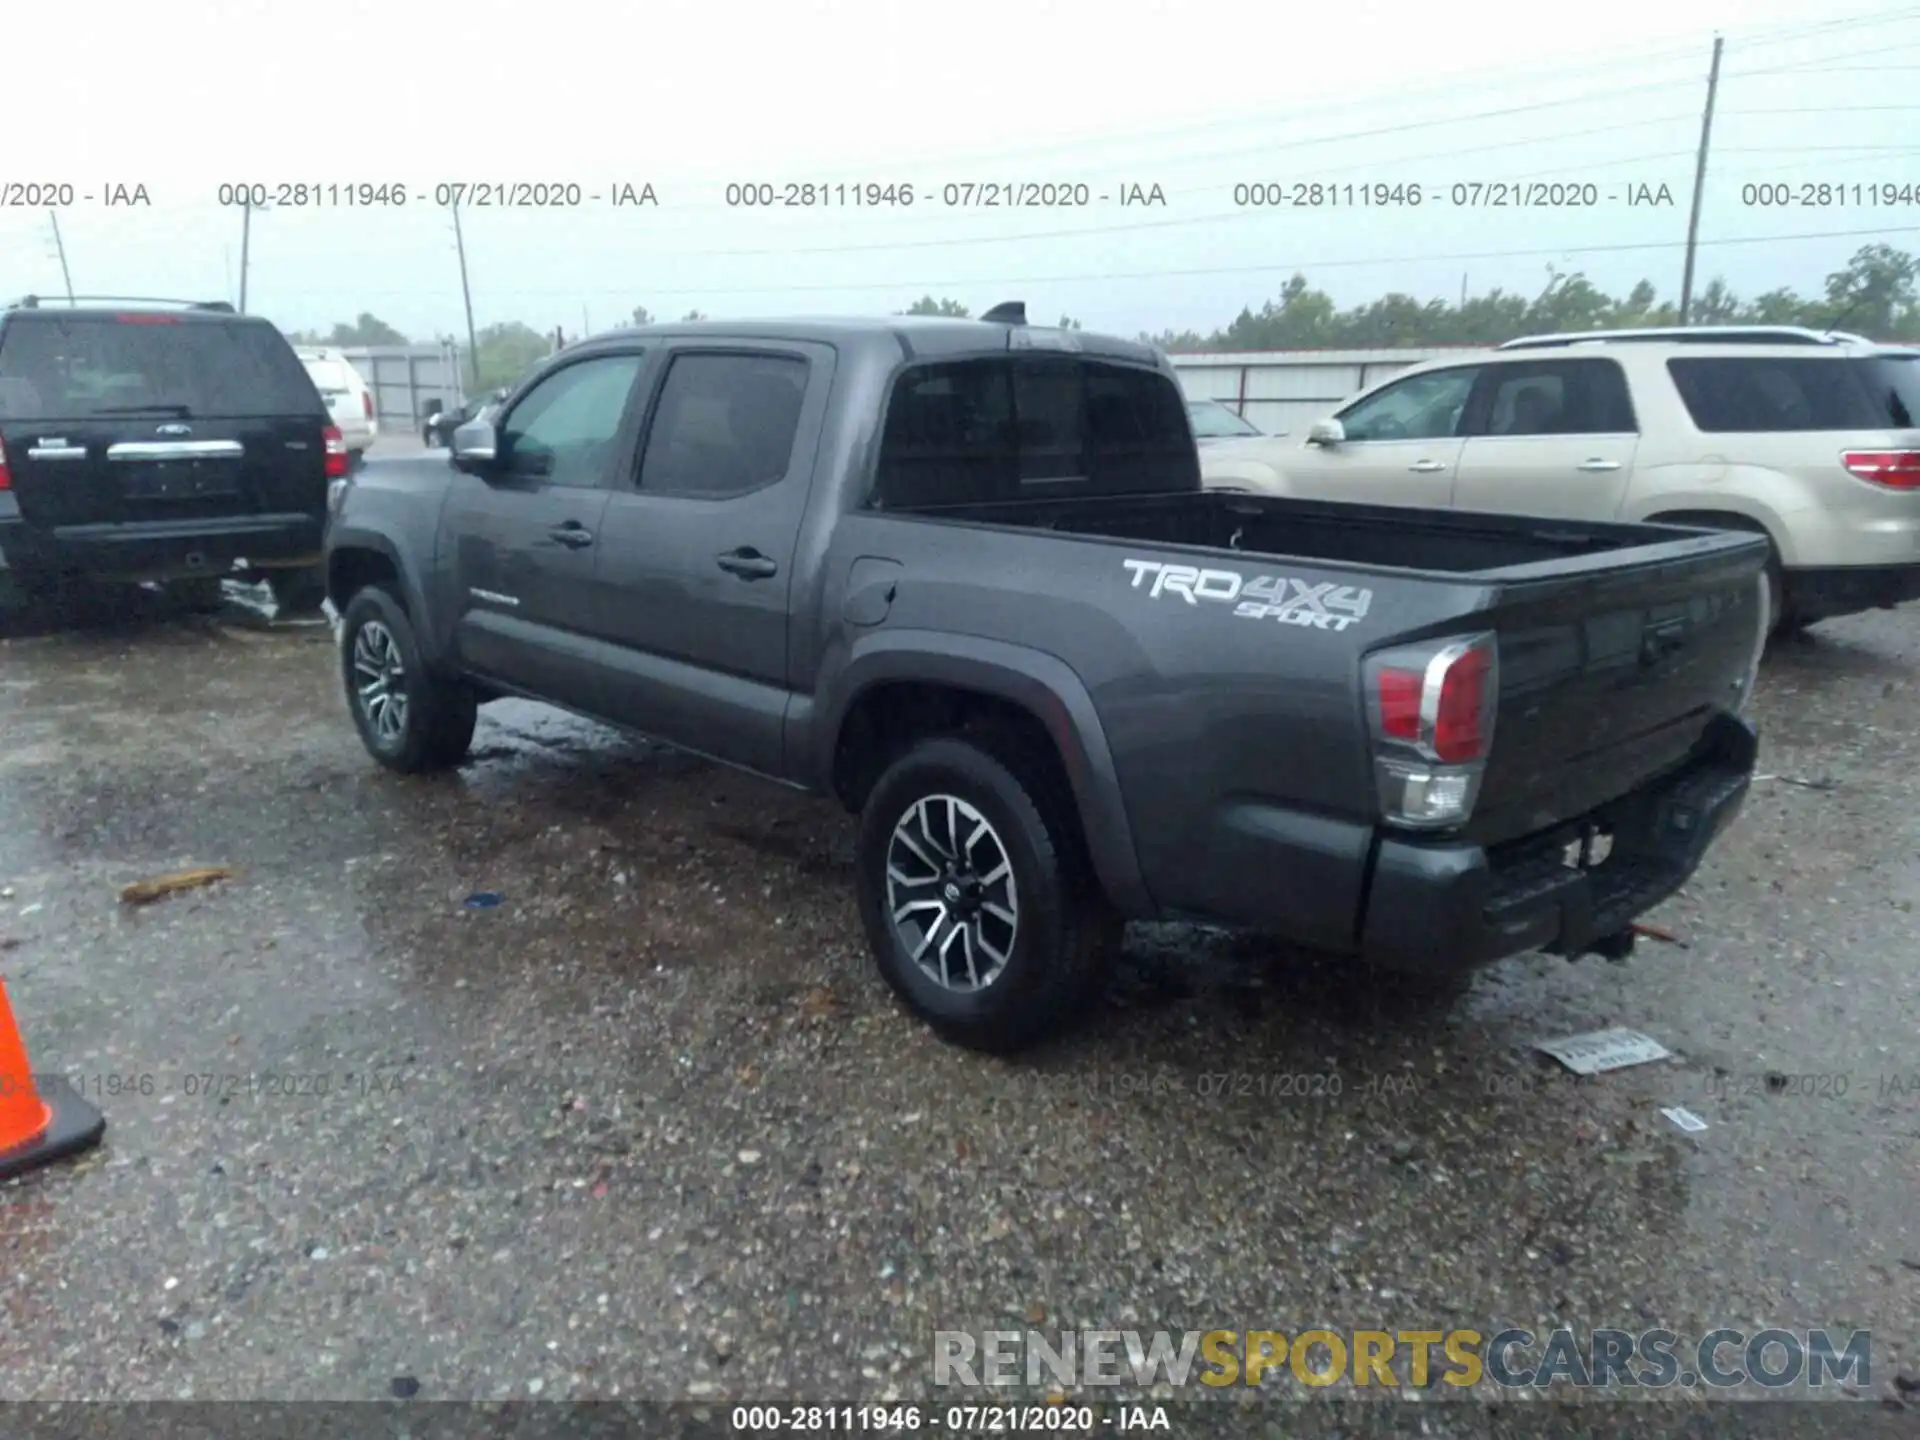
[(434, 729), (1065, 933), (297, 592)]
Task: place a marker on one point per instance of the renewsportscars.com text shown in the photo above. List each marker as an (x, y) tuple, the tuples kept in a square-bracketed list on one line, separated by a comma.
[(1512, 1358)]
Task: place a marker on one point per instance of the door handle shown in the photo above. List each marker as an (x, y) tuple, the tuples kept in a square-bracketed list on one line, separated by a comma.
[(1599, 464), (573, 535), (1427, 467), (747, 563)]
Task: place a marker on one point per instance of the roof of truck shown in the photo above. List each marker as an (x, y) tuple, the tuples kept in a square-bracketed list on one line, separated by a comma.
[(916, 335)]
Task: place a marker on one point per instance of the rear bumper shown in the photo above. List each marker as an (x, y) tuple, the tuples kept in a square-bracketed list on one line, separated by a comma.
[(156, 550), (1819, 594), (1438, 906)]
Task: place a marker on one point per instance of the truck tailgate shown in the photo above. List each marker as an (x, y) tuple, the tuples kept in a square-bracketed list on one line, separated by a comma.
[(1610, 672)]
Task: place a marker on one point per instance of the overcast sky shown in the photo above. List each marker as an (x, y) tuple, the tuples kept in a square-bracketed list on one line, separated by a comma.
[(1192, 98)]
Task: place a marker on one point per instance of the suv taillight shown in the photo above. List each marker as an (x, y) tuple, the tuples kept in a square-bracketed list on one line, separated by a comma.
[(1896, 469), (366, 402), (1431, 714), (336, 444), (6, 476)]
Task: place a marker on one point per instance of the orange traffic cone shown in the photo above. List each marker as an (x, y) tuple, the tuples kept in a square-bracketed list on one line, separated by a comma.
[(39, 1123)]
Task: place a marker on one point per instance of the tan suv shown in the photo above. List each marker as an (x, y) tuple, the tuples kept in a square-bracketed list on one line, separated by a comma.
[(1812, 439)]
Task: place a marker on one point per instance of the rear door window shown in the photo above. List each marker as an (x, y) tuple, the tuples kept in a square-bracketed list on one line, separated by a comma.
[(1804, 393), (1554, 397), (82, 367), (724, 425)]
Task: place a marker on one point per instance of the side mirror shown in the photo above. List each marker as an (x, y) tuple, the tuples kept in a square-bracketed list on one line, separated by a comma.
[(476, 449), (1327, 432)]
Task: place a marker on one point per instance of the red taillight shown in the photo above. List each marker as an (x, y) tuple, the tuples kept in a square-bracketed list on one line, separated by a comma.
[(1454, 682), (366, 402), (1458, 734), (1400, 692), (6, 477), (336, 445), (148, 319), (1896, 469)]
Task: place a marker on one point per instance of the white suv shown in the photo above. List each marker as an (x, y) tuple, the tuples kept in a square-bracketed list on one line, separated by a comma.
[(1811, 439), (349, 400)]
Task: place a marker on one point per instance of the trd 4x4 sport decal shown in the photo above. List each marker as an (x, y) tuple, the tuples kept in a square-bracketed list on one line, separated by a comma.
[(1264, 597)]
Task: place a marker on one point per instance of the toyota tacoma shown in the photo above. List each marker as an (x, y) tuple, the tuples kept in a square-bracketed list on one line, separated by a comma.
[(963, 576)]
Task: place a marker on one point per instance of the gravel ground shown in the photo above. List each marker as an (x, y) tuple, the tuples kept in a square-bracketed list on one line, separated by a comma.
[(652, 1127)]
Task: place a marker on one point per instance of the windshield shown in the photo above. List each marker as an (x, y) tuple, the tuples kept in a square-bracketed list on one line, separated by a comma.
[(80, 366), (1213, 421)]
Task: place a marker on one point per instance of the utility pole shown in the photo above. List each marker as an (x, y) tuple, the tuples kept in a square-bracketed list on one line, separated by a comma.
[(1463, 292), (61, 246), (246, 240), (1699, 181), (466, 295)]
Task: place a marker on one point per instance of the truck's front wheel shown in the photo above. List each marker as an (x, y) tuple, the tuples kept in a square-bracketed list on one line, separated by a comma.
[(976, 901), (410, 718)]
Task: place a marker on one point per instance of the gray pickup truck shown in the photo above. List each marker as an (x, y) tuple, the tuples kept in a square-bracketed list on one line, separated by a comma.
[(962, 576)]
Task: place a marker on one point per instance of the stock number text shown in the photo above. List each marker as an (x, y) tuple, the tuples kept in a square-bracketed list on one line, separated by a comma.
[(1813, 195), (309, 195), (769, 195), (1317, 195)]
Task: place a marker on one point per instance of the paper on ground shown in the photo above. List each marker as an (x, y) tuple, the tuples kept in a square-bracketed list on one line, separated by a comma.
[(1593, 1051), (1684, 1118)]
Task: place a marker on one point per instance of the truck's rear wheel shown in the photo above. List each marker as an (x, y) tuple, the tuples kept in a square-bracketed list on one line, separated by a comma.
[(976, 903), (410, 719)]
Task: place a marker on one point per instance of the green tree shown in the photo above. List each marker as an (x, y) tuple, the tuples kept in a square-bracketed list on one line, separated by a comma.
[(691, 315), (507, 351), (927, 305), (367, 330), (1067, 322), (1874, 293), (1877, 292), (642, 315)]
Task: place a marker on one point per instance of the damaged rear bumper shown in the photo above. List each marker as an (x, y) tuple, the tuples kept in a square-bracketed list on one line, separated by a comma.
[(1441, 906)]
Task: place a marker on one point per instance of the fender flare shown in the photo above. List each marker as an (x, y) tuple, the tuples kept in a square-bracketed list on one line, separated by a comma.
[(360, 538), (1039, 683)]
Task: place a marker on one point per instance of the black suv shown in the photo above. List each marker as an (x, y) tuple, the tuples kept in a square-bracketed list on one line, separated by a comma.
[(157, 440)]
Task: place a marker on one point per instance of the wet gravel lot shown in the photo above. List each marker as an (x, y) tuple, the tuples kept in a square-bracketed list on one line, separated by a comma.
[(652, 1127)]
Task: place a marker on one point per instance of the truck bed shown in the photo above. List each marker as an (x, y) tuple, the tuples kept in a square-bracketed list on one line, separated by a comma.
[(1618, 643), (1445, 542)]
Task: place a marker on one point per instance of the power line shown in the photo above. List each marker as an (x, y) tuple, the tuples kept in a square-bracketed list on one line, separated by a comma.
[(1826, 62), (1171, 222), (1466, 82), (1825, 110), (1343, 263), (1240, 214)]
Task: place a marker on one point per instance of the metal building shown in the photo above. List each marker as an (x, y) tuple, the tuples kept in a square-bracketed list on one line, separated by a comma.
[(409, 382), (1284, 390)]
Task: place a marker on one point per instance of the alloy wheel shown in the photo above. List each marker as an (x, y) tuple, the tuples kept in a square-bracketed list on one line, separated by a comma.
[(380, 682), (951, 896)]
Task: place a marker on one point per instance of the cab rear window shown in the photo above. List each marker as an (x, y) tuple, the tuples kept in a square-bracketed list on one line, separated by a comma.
[(996, 429), (77, 367)]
